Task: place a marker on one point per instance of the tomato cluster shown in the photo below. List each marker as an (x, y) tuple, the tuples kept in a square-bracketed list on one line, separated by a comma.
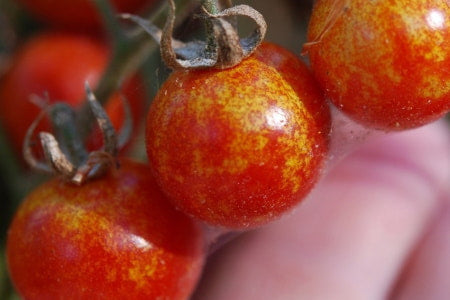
[(232, 148)]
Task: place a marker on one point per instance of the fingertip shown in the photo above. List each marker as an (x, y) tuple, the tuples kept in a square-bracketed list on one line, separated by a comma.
[(427, 272)]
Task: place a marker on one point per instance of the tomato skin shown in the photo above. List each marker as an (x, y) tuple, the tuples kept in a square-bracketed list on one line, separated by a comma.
[(59, 64), (384, 63), (298, 75), (235, 148), (113, 238), (78, 14)]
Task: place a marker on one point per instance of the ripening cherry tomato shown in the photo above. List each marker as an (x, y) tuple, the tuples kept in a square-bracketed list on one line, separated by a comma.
[(116, 237), (238, 147), (79, 14), (59, 64), (384, 63)]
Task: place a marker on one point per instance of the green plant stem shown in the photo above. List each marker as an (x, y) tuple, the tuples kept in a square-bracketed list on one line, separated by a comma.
[(211, 6), (129, 53)]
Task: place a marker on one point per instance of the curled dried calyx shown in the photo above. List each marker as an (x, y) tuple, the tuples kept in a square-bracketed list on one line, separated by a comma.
[(65, 154), (223, 47)]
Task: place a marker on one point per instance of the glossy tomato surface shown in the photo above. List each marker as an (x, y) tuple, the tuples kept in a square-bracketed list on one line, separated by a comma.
[(112, 238), (299, 76), (59, 64), (79, 14), (238, 147), (384, 63)]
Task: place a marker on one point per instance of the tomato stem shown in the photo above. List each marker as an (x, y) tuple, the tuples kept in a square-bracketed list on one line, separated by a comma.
[(130, 51), (211, 6)]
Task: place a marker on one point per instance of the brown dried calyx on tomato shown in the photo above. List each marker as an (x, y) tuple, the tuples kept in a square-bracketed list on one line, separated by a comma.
[(223, 48), (65, 154)]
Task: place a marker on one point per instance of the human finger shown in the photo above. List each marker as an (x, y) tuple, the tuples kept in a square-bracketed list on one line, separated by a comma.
[(351, 237)]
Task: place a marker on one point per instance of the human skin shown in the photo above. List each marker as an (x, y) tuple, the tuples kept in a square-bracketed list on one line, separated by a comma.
[(376, 227)]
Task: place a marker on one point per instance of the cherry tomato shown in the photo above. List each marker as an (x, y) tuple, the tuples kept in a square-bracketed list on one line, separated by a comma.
[(79, 14), (238, 147), (384, 63), (116, 237), (59, 64)]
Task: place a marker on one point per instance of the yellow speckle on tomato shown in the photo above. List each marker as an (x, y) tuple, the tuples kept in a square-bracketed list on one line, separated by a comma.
[(419, 21), (384, 63), (434, 87), (142, 273)]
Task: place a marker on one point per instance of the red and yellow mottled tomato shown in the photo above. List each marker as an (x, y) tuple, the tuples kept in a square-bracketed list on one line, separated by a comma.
[(79, 14), (113, 238), (384, 63), (59, 64), (297, 74), (237, 147)]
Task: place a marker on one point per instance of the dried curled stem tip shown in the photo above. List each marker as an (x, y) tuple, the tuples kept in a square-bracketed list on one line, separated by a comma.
[(55, 156), (224, 49), (103, 121), (27, 148), (61, 160), (98, 163)]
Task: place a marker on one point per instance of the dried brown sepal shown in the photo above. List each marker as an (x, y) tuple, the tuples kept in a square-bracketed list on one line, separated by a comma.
[(27, 147), (60, 163), (196, 57), (188, 50), (227, 44), (103, 121), (224, 4), (227, 48), (55, 156), (40, 102), (249, 43), (98, 163)]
